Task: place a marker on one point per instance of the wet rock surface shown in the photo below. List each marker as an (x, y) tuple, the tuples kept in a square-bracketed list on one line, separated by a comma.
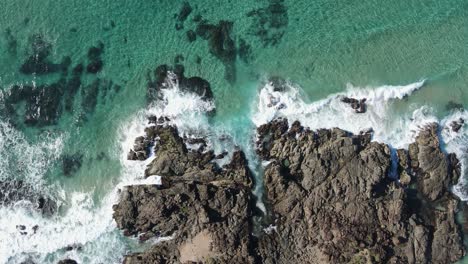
[(67, 261), (203, 207), (359, 105), (14, 191), (331, 199), (457, 125), (328, 195), (161, 77)]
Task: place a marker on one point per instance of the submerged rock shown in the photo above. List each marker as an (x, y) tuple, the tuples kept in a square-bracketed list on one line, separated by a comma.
[(94, 56), (38, 62), (43, 103), (12, 43), (221, 45), (452, 105), (71, 163), (43, 107), (269, 23), (191, 35), (184, 12)]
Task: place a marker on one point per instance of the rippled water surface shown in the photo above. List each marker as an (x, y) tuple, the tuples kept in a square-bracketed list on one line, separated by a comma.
[(409, 58)]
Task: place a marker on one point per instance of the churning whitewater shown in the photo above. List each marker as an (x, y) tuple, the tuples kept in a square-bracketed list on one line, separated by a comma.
[(88, 224)]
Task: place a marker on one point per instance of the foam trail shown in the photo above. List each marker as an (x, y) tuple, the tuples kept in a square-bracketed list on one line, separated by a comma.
[(457, 142), (383, 93), (331, 112), (84, 223), (30, 161)]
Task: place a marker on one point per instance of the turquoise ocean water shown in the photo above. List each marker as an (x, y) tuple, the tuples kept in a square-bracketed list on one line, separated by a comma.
[(382, 49)]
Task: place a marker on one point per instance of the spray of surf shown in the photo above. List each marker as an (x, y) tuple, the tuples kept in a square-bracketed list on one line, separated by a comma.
[(87, 225), (395, 129)]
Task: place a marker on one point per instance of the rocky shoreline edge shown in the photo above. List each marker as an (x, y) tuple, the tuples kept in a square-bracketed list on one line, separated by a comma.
[(328, 195)]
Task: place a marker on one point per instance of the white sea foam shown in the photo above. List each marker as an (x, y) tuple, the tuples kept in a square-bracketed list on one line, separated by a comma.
[(84, 223), (396, 129), (332, 112), (81, 224), (90, 225), (457, 142), (25, 160), (186, 111)]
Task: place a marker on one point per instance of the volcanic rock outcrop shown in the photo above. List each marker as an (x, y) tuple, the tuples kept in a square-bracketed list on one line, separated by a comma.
[(203, 207), (328, 193), (331, 199)]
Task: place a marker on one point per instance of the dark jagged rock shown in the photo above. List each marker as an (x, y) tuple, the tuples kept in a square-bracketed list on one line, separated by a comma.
[(71, 163), (67, 261), (205, 208), (432, 167), (457, 125), (221, 45), (269, 23), (328, 195), (16, 190), (359, 105), (195, 84), (28, 261), (77, 247), (141, 148), (331, 200), (279, 84)]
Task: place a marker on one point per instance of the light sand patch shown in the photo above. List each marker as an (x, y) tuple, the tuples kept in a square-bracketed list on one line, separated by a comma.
[(198, 249)]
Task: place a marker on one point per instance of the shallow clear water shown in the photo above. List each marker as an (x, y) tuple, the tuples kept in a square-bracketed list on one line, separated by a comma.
[(322, 47)]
